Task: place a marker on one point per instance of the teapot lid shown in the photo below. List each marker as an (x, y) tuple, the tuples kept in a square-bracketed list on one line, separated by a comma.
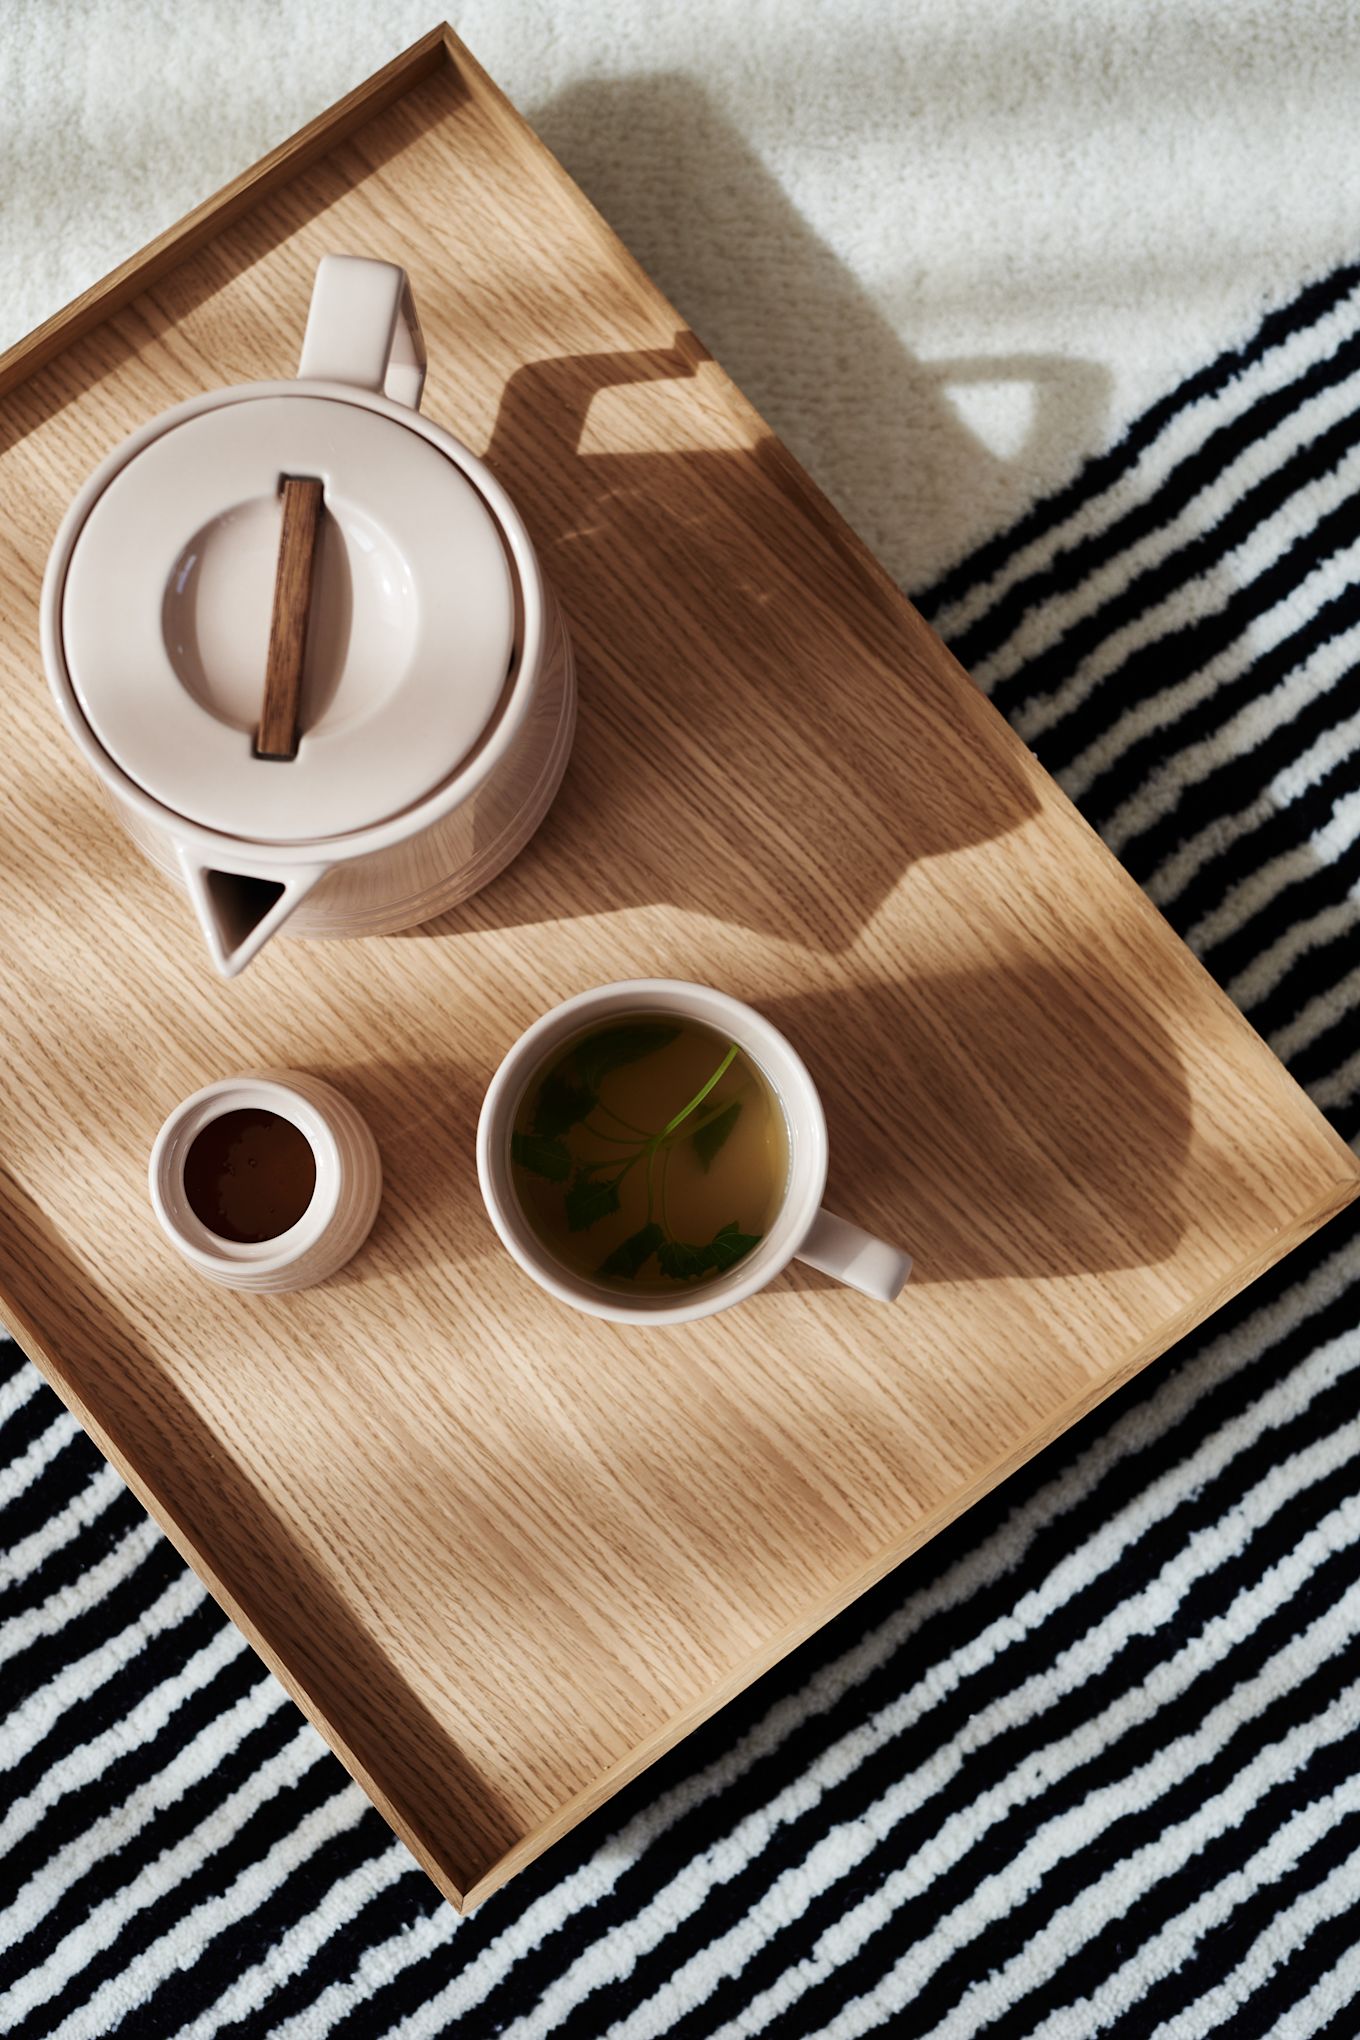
[(169, 594)]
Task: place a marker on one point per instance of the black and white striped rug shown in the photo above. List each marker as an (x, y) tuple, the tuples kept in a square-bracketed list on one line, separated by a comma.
[(1090, 1763)]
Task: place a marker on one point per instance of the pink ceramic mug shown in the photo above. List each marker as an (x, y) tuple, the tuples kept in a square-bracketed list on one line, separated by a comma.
[(802, 1229)]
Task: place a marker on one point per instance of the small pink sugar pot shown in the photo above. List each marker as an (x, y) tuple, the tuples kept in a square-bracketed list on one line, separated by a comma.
[(422, 657)]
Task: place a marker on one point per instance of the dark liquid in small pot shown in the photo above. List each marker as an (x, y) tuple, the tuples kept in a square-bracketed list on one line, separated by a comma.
[(249, 1175)]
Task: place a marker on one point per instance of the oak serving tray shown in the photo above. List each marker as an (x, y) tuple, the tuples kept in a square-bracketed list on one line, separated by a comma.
[(503, 1554)]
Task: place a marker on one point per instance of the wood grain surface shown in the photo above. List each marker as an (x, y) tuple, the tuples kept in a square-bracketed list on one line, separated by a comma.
[(503, 1554)]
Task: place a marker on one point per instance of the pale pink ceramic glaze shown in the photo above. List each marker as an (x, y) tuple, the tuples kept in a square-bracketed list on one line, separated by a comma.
[(343, 1205), (439, 697)]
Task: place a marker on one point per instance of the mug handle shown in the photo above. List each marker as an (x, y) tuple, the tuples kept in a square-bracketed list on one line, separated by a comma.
[(362, 329), (854, 1256)]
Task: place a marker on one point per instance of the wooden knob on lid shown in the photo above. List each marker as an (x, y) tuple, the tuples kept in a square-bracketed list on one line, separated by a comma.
[(277, 735)]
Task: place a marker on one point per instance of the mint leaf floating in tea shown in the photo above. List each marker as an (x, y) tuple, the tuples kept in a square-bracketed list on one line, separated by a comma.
[(709, 1137), (630, 1255), (547, 1158), (560, 1105), (633, 1142), (730, 1243), (612, 1047), (683, 1262), (728, 1246), (590, 1199), (723, 1067)]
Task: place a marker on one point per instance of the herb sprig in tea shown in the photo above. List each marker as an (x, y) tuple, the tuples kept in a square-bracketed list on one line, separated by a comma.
[(569, 1097)]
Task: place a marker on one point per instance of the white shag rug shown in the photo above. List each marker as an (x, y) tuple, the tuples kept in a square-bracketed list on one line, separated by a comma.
[(948, 247)]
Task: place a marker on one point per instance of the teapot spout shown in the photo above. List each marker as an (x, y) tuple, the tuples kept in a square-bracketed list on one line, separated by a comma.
[(239, 909)]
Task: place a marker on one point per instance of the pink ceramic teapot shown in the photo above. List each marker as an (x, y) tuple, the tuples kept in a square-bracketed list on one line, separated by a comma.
[(435, 698)]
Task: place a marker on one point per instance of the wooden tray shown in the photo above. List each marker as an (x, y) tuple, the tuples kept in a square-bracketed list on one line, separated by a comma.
[(504, 1555)]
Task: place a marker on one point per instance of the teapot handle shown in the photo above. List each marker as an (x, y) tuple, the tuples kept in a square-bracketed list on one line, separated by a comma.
[(362, 329)]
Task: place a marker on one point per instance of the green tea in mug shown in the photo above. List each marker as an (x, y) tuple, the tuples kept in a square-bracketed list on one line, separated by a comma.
[(649, 1154)]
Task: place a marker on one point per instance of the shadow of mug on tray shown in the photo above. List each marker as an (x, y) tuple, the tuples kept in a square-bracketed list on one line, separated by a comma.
[(571, 1048)]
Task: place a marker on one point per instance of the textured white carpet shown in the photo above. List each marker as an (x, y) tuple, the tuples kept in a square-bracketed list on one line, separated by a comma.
[(948, 247)]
